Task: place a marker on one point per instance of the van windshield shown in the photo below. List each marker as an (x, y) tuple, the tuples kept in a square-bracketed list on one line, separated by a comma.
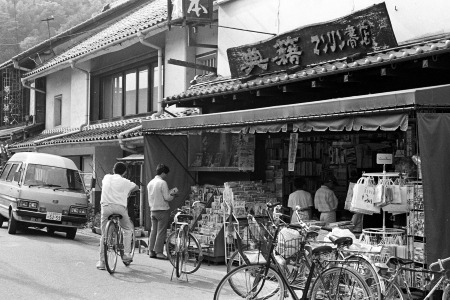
[(53, 177)]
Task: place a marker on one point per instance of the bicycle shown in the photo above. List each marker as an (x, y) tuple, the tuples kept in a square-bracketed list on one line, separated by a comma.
[(265, 277), (391, 278), (182, 247), (296, 269), (113, 243)]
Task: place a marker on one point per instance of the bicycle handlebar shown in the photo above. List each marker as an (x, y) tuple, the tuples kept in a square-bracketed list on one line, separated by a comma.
[(439, 262)]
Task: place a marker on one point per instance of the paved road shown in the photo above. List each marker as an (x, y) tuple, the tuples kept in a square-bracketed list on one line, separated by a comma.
[(35, 265)]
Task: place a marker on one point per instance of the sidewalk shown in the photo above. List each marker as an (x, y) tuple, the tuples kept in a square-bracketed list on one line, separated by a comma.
[(219, 269)]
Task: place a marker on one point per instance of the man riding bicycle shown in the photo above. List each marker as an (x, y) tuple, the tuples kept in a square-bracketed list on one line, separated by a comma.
[(115, 191)]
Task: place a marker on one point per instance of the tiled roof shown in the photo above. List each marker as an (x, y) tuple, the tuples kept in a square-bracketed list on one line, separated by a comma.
[(108, 131), (144, 18), (228, 86)]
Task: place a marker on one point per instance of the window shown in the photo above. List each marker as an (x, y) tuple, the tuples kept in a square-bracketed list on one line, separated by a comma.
[(127, 92), (207, 59), (57, 110), (117, 96), (5, 172), (53, 177), (13, 173)]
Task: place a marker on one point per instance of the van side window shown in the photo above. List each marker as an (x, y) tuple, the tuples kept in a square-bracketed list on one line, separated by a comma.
[(18, 173), (12, 172), (6, 171)]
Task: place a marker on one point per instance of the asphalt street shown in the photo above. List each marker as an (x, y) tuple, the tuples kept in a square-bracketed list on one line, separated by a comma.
[(36, 265)]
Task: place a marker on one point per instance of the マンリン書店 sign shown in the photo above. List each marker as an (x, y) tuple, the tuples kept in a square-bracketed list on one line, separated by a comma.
[(364, 31)]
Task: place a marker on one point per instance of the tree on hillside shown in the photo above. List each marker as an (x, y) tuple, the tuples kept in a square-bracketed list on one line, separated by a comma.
[(21, 25)]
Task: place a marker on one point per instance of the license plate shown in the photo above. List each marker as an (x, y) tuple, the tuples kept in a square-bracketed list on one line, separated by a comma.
[(54, 216)]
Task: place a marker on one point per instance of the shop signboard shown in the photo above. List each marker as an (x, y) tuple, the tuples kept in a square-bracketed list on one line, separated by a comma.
[(198, 11), (384, 158), (362, 32), (293, 142)]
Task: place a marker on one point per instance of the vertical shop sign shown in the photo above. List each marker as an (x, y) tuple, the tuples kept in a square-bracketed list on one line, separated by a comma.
[(364, 31), (409, 142), (293, 142), (179, 11), (246, 153)]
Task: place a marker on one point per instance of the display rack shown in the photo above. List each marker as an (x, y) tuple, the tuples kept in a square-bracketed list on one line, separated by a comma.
[(386, 235)]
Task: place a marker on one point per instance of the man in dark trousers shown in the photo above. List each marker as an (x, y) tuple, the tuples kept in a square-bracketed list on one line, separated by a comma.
[(159, 197)]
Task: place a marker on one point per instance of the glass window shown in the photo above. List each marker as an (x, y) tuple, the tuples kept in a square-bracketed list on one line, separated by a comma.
[(5, 171), (117, 96), (12, 172), (143, 91), (53, 177), (57, 110), (107, 98), (130, 93)]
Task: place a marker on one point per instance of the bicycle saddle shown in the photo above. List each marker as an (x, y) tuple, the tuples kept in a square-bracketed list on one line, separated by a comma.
[(184, 217), (400, 261), (115, 216), (322, 249), (343, 241)]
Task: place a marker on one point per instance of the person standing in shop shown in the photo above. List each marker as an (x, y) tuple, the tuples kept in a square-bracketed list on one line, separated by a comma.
[(159, 197), (300, 198), (326, 201)]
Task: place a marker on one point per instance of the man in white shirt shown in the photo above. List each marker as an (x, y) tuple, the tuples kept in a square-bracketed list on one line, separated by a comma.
[(300, 198), (326, 201), (159, 197), (115, 191)]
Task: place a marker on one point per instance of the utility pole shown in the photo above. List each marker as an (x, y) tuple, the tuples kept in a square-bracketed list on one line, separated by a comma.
[(51, 18)]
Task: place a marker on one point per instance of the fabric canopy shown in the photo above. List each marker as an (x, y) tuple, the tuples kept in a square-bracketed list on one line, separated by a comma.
[(352, 113), (434, 130)]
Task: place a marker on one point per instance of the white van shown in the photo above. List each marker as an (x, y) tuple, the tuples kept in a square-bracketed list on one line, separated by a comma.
[(42, 190)]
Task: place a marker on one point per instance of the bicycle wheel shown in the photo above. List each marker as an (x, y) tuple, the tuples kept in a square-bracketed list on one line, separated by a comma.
[(193, 255), (340, 283), (110, 246), (250, 282), (368, 272), (170, 247), (133, 247), (394, 292), (180, 249), (446, 293), (235, 261)]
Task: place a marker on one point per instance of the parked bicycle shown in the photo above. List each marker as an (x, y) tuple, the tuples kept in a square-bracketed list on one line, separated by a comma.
[(394, 279), (113, 243), (296, 251), (265, 276), (183, 249)]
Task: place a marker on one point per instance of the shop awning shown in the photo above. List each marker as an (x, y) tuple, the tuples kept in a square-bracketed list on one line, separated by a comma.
[(385, 111), (139, 158)]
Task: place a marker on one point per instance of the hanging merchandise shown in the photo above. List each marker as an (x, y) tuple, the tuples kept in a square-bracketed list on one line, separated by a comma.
[(348, 199), (363, 194), (399, 191), (406, 196), (383, 192)]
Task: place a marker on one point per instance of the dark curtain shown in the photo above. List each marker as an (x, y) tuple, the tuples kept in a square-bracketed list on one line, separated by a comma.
[(173, 152), (434, 145)]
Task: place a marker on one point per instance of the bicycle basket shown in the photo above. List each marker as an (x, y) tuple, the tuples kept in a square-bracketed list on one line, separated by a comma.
[(258, 244)]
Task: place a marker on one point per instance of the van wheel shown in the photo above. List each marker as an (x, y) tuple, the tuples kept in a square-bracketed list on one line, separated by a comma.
[(51, 230), (71, 233), (12, 224), (2, 220)]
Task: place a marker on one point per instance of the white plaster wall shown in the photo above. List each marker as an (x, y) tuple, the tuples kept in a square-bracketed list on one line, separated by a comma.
[(58, 83), (410, 19), (78, 103), (176, 48)]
